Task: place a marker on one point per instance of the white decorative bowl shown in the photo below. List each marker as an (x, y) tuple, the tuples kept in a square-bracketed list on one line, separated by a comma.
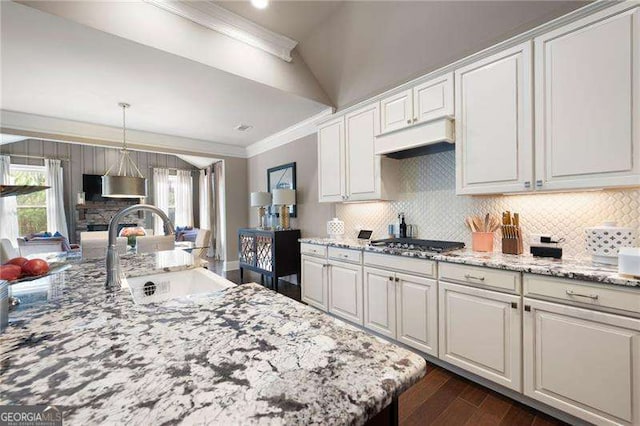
[(604, 241), (335, 228), (629, 261)]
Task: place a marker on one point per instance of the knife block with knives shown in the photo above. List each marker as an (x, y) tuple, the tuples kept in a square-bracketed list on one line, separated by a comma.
[(511, 234)]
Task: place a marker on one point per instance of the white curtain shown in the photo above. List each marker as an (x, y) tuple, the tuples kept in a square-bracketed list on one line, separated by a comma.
[(203, 200), (215, 173), (184, 198), (160, 197), (56, 218), (8, 206)]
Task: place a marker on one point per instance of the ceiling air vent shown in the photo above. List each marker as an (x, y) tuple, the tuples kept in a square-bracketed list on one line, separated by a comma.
[(243, 127)]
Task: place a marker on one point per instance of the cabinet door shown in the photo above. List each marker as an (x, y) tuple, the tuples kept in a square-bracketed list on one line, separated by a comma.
[(314, 282), (396, 111), (380, 301), (494, 151), (417, 312), (345, 291), (480, 331), (331, 161), (583, 362), (433, 99), (587, 97), (363, 166)]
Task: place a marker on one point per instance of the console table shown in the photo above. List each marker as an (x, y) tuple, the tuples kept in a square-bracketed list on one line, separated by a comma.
[(273, 254)]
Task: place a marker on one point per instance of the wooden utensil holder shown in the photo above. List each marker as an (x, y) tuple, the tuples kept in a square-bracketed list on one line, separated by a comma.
[(512, 245)]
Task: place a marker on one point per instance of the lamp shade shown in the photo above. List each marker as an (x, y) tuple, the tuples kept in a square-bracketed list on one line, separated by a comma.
[(284, 197), (124, 186), (260, 199)]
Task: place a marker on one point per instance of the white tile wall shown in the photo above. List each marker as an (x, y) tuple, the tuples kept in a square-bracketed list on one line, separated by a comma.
[(428, 198)]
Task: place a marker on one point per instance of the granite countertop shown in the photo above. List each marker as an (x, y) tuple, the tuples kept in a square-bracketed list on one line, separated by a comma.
[(243, 355), (581, 269)]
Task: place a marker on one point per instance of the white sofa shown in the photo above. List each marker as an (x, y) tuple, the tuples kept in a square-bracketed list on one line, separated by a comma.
[(155, 243), (94, 244)]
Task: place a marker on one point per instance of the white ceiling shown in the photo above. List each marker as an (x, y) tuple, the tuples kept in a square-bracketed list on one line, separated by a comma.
[(294, 19), (357, 49), (55, 67)]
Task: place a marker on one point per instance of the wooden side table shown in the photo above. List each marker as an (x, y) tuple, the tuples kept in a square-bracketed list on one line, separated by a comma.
[(273, 254)]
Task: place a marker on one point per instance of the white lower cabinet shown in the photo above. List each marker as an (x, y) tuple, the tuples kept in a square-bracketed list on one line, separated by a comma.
[(380, 301), (403, 307), (480, 331), (345, 291), (583, 362), (314, 286), (417, 312)]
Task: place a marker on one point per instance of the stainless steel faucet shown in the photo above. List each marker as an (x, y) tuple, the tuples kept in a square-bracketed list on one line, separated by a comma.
[(114, 278)]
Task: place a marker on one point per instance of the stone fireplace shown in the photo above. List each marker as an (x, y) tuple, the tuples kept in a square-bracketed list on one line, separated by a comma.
[(96, 215)]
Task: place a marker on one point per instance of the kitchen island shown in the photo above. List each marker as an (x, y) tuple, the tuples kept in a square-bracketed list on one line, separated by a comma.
[(243, 355)]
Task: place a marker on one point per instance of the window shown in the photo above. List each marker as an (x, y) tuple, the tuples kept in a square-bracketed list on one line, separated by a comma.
[(173, 182), (32, 208)]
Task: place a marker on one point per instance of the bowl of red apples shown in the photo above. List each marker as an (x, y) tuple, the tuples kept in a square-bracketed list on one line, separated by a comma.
[(21, 267)]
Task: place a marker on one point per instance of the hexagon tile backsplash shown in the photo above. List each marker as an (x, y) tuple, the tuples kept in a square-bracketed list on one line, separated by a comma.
[(427, 197)]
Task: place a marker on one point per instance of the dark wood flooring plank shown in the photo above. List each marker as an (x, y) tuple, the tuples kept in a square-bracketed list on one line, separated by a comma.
[(545, 420), (426, 413), (419, 393), (474, 394), (491, 412), (457, 413), (518, 415)]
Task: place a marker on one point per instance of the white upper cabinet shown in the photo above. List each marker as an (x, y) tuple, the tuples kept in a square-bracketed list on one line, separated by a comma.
[(363, 166), (348, 168), (588, 102), (424, 102), (494, 123), (433, 99), (331, 161), (396, 111)]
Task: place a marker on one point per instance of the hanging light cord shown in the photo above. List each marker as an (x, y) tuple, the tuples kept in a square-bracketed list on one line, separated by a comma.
[(125, 163)]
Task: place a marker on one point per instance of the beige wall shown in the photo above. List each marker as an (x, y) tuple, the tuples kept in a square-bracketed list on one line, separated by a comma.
[(312, 215), (236, 203)]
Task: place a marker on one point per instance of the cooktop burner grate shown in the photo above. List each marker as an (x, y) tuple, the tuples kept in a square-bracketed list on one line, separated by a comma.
[(419, 245)]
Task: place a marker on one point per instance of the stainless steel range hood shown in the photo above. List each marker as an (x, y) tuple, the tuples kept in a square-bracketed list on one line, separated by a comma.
[(419, 139)]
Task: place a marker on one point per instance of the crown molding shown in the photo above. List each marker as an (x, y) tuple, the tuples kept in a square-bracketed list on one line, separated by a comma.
[(57, 129), (217, 18), (290, 134)]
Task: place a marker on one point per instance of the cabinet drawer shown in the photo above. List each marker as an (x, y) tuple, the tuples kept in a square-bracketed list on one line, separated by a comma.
[(508, 281), (422, 267), (345, 255), (583, 293), (313, 250)]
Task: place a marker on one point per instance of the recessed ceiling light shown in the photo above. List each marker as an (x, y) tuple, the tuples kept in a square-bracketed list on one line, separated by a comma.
[(243, 127), (260, 4)]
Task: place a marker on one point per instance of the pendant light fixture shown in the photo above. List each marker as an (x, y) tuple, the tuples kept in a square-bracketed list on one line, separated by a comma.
[(123, 179)]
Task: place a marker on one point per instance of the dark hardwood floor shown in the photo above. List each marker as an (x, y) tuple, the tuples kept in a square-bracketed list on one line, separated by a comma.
[(444, 398), (441, 397)]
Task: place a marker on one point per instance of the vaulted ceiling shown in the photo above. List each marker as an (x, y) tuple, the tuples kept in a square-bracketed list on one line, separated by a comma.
[(360, 48), (75, 60)]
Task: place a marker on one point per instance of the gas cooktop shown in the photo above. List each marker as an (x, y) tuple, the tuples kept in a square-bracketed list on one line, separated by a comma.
[(419, 245)]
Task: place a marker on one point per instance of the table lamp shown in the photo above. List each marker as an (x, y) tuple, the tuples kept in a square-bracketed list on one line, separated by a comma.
[(260, 200), (284, 198)]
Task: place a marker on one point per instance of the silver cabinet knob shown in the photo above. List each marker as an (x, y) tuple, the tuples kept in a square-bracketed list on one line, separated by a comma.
[(415, 119), (409, 121), (539, 183), (527, 184)]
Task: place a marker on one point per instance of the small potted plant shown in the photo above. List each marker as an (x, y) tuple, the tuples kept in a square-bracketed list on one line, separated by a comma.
[(132, 232)]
